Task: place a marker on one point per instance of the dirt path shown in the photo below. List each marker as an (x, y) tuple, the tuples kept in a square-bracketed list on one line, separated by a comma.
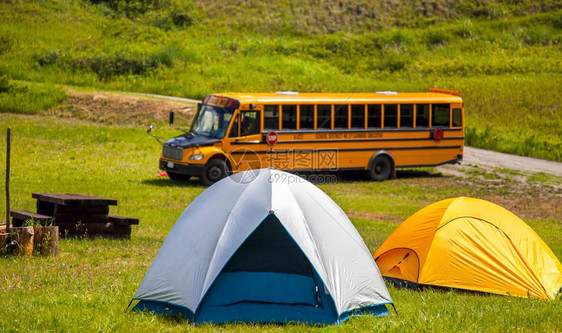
[(172, 98), (507, 161), (134, 109)]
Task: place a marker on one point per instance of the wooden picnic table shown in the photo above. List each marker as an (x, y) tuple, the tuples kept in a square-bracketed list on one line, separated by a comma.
[(77, 214), (73, 199)]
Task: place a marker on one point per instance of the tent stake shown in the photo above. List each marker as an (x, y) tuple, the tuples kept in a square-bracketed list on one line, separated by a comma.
[(8, 136)]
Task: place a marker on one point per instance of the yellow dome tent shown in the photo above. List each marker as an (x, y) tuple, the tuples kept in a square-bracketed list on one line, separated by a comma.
[(470, 244)]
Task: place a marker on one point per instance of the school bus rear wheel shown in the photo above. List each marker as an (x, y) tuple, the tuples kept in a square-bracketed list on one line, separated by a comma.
[(381, 168), (214, 171)]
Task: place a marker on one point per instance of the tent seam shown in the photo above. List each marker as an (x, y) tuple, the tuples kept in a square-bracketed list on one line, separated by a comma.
[(165, 302), (221, 226), (334, 221), (510, 240), (214, 252), (340, 226), (239, 205)]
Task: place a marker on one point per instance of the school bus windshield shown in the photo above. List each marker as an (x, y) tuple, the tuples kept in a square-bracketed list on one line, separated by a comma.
[(213, 121)]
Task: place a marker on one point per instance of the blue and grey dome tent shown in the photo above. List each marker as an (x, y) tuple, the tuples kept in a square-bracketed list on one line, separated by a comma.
[(263, 246)]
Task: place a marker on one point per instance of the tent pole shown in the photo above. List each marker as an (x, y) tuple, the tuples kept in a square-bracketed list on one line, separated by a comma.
[(8, 137)]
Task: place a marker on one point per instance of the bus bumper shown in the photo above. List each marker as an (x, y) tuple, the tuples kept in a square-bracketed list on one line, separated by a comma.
[(195, 170)]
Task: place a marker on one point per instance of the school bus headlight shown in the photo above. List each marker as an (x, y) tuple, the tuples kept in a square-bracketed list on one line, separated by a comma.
[(196, 157)]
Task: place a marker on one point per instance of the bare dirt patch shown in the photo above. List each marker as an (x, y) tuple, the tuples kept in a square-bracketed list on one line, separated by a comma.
[(111, 108), (374, 216), (525, 194), (531, 207)]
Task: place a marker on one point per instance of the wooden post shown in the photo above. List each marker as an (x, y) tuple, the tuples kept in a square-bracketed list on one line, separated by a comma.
[(8, 180), (23, 236), (4, 240)]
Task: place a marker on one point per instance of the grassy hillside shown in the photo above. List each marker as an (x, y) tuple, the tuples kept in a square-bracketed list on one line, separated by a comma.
[(504, 56), (313, 17)]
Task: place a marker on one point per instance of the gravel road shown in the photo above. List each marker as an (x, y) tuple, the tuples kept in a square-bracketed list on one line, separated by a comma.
[(501, 160)]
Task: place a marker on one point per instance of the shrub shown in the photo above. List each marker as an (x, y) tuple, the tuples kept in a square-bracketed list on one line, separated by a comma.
[(50, 57), (435, 37), (394, 38), (107, 66), (164, 14), (28, 98), (536, 36)]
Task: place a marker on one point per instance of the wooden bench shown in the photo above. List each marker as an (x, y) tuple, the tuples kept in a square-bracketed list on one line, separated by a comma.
[(116, 227), (77, 215), (122, 220), (19, 217)]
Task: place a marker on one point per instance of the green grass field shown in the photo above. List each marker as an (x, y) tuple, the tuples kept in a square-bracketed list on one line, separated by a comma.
[(91, 283)]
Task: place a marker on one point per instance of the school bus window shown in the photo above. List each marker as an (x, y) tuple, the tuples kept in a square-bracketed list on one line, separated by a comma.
[(390, 116), (271, 117), (235, 128), (306, 117), (441, 115), (406, 115), (341, 116), (457, 118), (289, 116), (422, 115), (324, 116), (250, 123), (374, 115), (358, 116)]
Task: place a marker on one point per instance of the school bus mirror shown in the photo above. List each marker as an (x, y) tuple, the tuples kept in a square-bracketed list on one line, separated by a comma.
[(171, 117)]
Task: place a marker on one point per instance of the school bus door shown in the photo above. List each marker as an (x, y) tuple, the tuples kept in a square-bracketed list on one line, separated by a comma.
[(245, 140)]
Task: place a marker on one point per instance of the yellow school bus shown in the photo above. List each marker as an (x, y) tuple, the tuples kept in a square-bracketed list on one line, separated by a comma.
[(375, 132)]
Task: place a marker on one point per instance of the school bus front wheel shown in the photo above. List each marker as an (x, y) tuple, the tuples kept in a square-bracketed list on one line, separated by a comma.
[(215, 170)]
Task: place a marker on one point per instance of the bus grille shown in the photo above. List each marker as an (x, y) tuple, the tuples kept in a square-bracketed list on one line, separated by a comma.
[(173, 152)]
